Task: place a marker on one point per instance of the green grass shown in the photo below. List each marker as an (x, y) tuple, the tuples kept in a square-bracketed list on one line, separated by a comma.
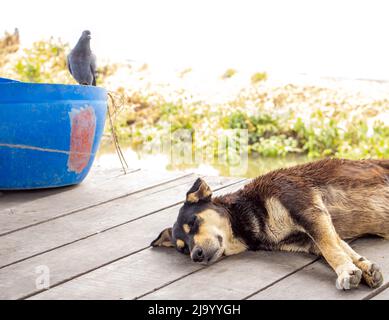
[(229, 73), (301, 125), (258, 77)]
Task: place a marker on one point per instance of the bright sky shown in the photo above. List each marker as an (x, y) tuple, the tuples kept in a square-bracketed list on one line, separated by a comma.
[(324, 37)]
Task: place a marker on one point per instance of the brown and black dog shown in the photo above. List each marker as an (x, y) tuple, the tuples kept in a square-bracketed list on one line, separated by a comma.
[(307, 208)]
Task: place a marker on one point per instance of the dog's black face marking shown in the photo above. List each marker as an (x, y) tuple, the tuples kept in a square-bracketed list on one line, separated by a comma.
[(187, 226), (201, 226), (184, 230)]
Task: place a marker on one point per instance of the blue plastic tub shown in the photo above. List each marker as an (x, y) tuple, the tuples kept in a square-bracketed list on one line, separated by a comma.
[(49, 133)]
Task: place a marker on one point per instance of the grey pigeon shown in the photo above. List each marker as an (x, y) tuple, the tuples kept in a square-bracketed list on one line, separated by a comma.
[(82, 62)]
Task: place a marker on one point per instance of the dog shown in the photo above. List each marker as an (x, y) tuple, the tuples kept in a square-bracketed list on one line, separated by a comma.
[(310, 208)]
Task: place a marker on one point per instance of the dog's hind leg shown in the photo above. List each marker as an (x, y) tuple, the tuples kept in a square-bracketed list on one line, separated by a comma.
[(370, 272), (323, 233)]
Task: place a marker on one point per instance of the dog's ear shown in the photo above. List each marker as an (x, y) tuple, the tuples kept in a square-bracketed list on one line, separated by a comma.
[(164, 239), (199, 191)]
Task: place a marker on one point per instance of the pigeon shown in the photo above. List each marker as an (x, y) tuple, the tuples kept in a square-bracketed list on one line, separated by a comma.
[(82, 62)]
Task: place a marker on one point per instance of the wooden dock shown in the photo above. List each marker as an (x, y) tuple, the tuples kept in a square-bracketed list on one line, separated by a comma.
[(92, 242)]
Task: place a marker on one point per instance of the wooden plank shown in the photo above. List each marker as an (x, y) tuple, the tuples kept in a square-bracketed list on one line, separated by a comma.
[(145, 272), (28, 242), (384, 295), (126, 278), (317, 281), (79, 198), (11, 199), (234, 277), (141, 273), (75, 259)]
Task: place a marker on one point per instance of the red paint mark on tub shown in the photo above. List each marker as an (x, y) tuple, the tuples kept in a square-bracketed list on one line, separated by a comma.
[(82, 135)]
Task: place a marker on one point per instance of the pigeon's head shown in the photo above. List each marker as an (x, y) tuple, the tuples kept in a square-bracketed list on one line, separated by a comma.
[(86, 34)]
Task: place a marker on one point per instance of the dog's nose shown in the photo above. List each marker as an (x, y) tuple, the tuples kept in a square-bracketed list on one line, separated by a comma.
[(198, 255)]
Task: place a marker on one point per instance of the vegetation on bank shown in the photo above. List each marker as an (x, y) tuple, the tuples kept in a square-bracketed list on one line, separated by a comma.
[(283, 120), (316, 121), (9, 44)]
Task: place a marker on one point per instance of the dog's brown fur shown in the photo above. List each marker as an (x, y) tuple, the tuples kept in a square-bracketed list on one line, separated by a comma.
[(309, 208)]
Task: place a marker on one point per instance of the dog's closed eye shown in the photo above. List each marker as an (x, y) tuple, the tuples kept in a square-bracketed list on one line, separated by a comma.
[(188, 226)]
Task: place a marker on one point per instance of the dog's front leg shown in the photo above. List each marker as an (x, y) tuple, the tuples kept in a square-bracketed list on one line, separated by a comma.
[(323, 233)]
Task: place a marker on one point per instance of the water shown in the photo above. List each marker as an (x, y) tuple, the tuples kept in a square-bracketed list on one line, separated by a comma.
[(107, 158)]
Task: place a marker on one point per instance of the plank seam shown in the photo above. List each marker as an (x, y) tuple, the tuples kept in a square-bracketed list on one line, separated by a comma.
[(94, 205), (166, 284), (376, 292), (80, 274), (280, 279), (290, 274), (105, 230), (92, 178), (117, 175), (111, 261), (91, 235)]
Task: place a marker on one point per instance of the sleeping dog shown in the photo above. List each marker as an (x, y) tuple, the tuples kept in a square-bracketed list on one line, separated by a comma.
[(309, 208)]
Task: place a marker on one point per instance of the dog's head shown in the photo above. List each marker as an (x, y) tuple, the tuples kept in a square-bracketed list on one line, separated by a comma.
[(202, 229)]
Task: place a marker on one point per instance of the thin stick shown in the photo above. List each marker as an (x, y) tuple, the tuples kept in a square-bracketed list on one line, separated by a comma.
[(115, 138), (114, 132)]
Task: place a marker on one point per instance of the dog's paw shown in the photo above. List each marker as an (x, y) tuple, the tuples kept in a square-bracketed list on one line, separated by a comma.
[(349, 278), (373, 276)]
